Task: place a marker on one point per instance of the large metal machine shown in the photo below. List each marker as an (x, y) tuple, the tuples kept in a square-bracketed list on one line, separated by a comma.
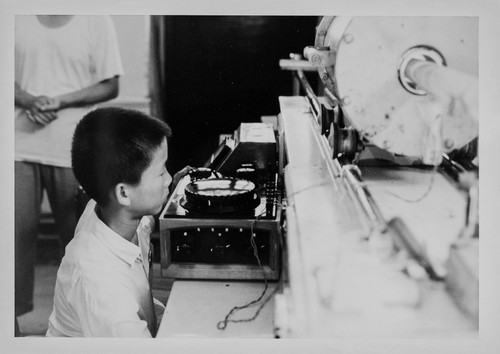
[(406, 84), (362, 205), (388, 157)]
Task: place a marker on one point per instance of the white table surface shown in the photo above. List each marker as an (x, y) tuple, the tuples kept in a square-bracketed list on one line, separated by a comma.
[(196, 306)]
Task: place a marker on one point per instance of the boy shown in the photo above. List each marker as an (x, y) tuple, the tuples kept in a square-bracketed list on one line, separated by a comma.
[(102, 287)]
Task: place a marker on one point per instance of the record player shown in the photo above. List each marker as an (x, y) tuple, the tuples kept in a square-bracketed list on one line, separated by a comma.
[(222, 221)]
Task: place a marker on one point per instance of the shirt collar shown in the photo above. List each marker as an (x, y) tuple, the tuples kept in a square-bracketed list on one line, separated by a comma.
[(122, 248)]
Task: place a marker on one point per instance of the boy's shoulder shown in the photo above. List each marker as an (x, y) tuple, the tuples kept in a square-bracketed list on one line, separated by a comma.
[(88, 260), (87, 246)]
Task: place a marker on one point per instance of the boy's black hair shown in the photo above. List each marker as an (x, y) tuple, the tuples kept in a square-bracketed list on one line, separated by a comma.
[(114, 145)]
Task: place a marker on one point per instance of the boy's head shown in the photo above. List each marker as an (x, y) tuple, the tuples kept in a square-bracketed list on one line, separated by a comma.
[(114, 147)]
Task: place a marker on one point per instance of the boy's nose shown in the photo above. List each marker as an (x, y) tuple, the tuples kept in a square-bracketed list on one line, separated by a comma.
[(168, 180)]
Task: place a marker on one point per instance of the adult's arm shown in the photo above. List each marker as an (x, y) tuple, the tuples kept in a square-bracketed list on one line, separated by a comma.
[(22, 98), (102, 91), (31, 105)]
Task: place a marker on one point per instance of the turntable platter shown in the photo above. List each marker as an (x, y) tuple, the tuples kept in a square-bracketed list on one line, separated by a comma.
[(220, 195)]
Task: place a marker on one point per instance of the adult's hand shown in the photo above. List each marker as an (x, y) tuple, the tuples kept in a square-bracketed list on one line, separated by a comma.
[(48, 104), (36, 115)]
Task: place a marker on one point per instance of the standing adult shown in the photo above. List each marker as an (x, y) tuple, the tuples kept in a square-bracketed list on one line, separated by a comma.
[(64, 65)]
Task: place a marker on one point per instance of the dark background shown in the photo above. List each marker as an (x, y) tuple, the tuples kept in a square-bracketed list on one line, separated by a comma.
[(220, 71)]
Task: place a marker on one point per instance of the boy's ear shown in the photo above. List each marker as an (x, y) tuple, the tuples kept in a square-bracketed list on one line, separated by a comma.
[(121, 194)]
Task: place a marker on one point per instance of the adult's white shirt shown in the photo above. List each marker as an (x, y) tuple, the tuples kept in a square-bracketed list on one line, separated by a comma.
[(102, 287), (55, 61)]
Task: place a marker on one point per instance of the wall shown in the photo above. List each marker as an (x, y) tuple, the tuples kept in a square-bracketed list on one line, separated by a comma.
[(133, 40), (222, 71)]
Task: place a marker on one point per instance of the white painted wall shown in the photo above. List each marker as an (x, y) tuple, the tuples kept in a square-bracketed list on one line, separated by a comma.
[(133, 39)]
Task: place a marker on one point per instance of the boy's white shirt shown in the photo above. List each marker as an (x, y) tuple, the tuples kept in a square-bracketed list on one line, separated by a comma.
[(102, 287)]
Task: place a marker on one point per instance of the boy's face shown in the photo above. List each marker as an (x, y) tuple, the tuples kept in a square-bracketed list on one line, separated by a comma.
[(148, 197)]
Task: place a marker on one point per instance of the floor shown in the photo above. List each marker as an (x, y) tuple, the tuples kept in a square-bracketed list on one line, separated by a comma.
[(35, 322)]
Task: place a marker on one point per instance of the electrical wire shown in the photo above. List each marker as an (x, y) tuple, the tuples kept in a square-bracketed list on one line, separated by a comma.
[(423, 196), (221, 325)]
